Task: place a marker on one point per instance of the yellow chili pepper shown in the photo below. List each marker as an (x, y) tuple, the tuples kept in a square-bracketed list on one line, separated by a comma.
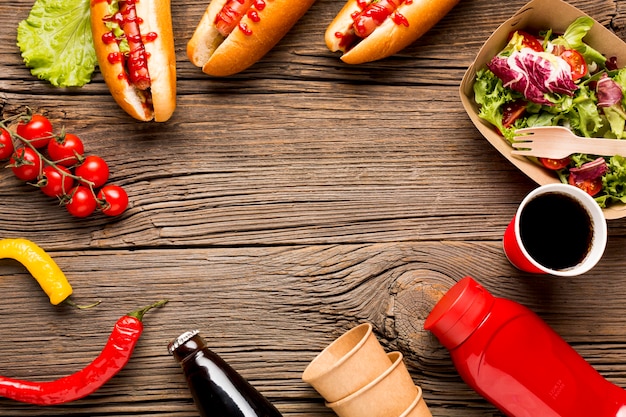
[(41, 266)]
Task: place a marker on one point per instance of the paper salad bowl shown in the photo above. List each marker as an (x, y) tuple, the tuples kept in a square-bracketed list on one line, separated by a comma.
[(536, 15)]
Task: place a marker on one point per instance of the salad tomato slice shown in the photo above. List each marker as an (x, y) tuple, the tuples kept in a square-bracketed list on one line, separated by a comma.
[(576, 61), (555, 164), (591, 186), (528, 40), (512, 111)]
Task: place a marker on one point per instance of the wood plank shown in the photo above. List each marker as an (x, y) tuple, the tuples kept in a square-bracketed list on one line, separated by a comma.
[(291, 302)]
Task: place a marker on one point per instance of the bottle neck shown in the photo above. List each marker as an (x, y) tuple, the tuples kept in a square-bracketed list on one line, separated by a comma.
[(461, 310)]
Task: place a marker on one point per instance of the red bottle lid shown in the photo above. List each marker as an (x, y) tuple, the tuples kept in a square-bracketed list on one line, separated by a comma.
[(461, 310)]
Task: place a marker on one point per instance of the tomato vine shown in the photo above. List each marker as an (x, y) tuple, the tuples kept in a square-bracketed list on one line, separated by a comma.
[(58, 166)]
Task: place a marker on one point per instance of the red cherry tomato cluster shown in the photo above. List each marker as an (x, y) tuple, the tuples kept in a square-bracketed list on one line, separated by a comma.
[(57, 164)]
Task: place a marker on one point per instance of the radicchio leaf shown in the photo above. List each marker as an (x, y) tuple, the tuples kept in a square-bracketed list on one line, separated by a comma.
[(534, 75), (609, 92), (589, 171)]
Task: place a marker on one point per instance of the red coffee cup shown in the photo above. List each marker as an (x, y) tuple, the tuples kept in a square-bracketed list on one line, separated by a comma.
[(558, 229)]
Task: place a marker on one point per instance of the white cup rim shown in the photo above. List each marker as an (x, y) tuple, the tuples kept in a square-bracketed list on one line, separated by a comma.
[(598, 221)]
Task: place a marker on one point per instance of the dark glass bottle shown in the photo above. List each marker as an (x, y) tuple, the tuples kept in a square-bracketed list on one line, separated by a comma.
[(217, 389)]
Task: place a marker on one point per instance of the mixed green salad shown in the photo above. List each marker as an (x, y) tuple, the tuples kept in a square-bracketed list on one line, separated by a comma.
[(545, 79)]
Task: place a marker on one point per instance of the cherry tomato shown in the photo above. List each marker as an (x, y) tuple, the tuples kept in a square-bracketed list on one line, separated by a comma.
[(82, 202), (56, 181), (577, 62), (512, 112), (6, 144), (66, 149), (529, 41), (113, 200), (591, 187), (93, 169), (26, 164), (37, 130), (555, 164)]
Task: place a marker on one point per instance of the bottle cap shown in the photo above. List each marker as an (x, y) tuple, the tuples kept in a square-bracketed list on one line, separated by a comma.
[(176, 343), (182, 347), (461, 310)]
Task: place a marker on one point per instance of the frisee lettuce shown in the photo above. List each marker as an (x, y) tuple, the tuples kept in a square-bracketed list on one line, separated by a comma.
[(491, 96), (56, 42), (614, 182)]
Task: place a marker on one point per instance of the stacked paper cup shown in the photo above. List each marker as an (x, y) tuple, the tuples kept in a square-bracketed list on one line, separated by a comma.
[(358, 379)]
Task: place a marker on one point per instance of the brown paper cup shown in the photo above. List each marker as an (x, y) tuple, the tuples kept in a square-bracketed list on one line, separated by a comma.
[(348, 364), (418, 408), (388, 395)]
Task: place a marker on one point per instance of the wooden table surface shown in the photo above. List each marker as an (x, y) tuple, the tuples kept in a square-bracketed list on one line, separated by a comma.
[(279, 208)]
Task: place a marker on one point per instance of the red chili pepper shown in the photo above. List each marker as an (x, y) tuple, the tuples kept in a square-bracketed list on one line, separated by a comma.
[(111, 360)]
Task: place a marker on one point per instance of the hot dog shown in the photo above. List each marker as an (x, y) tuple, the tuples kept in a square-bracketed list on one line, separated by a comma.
[(234, 34), (366, 30), (134, 44)]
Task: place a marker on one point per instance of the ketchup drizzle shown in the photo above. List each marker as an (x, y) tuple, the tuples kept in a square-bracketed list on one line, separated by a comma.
[(400, 19), (254, 16), (149, 37), (245, 29), (232, 13), (134, 62), (371, 15)]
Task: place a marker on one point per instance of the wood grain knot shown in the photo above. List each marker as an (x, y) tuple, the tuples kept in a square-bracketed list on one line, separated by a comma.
[(413, 296)]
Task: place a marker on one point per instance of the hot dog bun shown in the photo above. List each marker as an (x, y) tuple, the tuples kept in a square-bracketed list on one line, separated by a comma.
[(159, 101), (221, 57), (390, 37)]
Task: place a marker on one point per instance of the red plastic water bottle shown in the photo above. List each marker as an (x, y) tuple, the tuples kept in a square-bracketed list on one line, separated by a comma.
[(511, 357)]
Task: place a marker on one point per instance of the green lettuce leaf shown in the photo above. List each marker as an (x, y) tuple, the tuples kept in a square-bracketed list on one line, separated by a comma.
[(573, 38), (614, 182), (56, 42), (491, 97), (617, 120), (585, 117)]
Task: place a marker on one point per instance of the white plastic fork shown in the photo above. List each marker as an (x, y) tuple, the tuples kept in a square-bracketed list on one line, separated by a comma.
[(557, 142)]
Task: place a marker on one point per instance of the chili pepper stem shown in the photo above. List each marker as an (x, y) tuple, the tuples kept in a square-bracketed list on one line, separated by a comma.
[(138, 314), (71, 303)]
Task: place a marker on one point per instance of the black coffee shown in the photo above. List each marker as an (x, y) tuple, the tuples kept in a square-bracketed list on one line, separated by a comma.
[(556, 230)]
